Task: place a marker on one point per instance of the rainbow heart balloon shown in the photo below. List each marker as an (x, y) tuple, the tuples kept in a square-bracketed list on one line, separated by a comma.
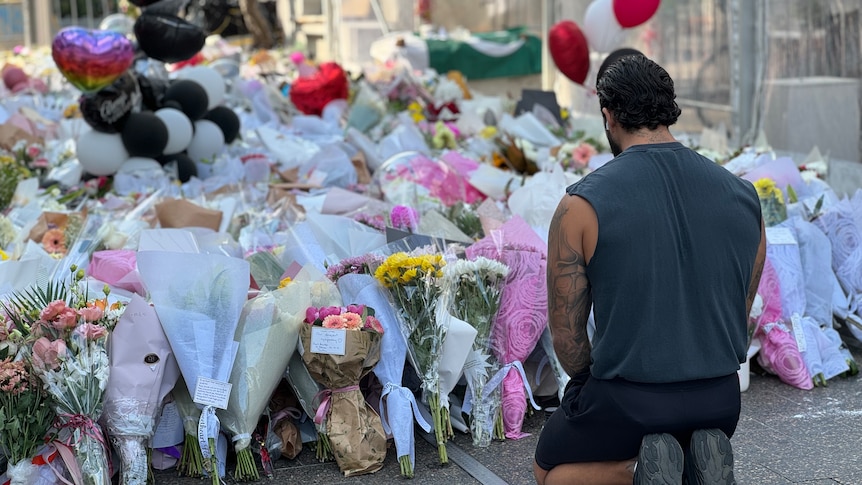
[(91, 59)]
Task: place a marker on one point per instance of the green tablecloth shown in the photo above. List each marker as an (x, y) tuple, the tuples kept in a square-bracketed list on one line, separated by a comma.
[(453, 55)]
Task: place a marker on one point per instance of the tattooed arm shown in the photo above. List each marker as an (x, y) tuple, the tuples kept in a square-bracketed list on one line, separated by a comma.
[(569, 296), (756, 272)]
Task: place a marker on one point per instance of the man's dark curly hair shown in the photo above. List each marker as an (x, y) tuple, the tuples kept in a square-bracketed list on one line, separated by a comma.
[(639, 93)]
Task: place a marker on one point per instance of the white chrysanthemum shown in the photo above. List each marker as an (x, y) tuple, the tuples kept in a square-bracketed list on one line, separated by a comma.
[(7, 232)]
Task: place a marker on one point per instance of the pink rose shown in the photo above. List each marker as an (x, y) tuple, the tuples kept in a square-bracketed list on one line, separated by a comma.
[(91, 331), (582, 154), (33, 151), (47, 354), (66, 320), (91, 313), (52, 310), (333, 321), (357, 309), (311, 315), (330, 310)]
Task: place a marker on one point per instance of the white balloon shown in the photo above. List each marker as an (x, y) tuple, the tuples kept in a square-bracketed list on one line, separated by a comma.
[(180, 129), (101, 153), (207, 142), (118, 22), (209, 79), (139, 164), (601, 27)]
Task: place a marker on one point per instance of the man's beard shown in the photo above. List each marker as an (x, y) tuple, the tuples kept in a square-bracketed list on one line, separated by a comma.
[(615, 147)]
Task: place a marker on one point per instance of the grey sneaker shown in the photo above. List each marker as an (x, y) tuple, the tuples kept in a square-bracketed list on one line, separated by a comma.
[(709, 459), (660, 461)]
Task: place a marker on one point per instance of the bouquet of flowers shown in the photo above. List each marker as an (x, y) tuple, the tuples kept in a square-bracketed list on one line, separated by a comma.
[(771, 201), (143, 371), (398, 406), (267, 336), (199, 299), (413, 282), (339, 347), (69, 355), (25, 418), (523, 314), (472, 290)]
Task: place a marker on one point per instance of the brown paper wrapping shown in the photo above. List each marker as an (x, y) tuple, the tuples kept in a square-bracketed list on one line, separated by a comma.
[(10, 134), (291, 441), (53, 220), (363, 175), (354, 429), (182, 213)]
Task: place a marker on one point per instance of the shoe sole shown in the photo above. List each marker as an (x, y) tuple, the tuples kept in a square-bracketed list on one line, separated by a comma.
[(660, 461), (713, 457)]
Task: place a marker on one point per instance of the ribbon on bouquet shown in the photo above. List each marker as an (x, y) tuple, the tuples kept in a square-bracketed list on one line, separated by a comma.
[(325, 397), (88, 427), (398, 399), (495, 381), (208, 427)]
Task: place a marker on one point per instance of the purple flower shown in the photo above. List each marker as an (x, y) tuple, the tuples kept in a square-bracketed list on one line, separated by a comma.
[(404, 217), (330, 310), (311, 315), (357, 309)]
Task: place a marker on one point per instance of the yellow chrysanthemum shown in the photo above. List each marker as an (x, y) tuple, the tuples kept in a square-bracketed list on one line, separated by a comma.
[(409, 275), (766, 189), (488, 132), (416, 112), (3, 255), (284, 282)]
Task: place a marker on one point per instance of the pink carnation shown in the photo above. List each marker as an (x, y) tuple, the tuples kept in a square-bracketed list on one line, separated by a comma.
[(582, 154)]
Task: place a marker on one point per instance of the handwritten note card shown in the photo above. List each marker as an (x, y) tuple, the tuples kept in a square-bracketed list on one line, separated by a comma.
[(328, 340)]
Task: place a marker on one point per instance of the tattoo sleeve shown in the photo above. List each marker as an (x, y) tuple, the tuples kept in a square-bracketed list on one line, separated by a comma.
[(569, 296), (757, 271)]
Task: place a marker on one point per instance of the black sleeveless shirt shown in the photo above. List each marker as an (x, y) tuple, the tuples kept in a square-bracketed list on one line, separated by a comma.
[(677, 239)]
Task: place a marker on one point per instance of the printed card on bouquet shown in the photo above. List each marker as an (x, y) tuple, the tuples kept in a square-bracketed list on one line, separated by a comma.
[(210, 392), (331, 341), (779, 235)]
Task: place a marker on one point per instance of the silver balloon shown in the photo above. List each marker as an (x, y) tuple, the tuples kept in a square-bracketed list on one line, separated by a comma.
[(118, 22)]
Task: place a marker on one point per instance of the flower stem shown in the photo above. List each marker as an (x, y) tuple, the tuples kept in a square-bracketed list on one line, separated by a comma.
[(191, 461), (214, 473), (324, 449), (246, 468), (406, 466), (499, 432), (439, 426)]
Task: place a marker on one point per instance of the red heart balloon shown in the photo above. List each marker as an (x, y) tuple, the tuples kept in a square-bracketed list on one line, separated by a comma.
[(631, 13), (569, 49)]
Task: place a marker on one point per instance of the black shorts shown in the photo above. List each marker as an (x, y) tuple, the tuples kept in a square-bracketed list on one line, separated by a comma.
[(605, 420)]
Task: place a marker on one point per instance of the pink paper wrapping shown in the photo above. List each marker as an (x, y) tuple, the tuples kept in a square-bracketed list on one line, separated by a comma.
[(117, 268), (442, 182), (465, 167), (523, 313), (779, 352)]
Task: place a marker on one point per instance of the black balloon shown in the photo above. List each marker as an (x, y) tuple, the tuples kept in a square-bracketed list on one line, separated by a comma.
[(108, 109), (145, 135), (168, 38), (614, 57), (152, 92), (143, 3), (186, 168), (227, 120), (190, 95)]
